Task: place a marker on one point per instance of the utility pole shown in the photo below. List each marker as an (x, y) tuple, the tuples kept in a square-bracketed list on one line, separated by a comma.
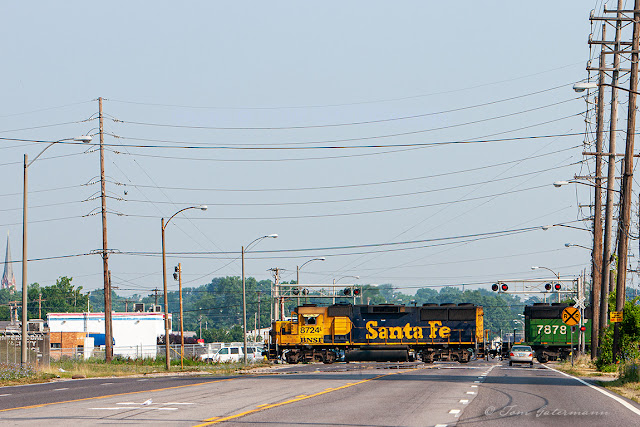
[(105, 255), (624, 221), (607, 253), (596, 254), (155, 295), (259, 324), (179, 272), (40, 305)]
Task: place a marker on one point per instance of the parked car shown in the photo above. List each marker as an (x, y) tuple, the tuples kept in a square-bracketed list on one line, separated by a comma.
[(233, 354), (521, 354)]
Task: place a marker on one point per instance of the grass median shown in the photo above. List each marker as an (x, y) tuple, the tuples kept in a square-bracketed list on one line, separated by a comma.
[(14, 374)]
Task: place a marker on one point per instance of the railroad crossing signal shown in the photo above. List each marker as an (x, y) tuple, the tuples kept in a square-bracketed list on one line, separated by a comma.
[(579, 303), (571, 316)]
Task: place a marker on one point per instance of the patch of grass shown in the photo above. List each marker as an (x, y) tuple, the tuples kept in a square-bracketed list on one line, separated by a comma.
[(76, 368)]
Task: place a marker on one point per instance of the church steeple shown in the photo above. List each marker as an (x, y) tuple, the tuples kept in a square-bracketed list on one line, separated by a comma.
[(8, 279)]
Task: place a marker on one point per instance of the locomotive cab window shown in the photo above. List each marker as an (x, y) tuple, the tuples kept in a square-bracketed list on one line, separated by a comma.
[(310, 319)]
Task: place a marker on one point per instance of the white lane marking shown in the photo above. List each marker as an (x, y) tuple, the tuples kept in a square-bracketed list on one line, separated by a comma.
[(440, 425), (464, 401), (60, 389), (601, 390), (471, 392), (8, 394), (120, 408), (106, 383), (454, 411), (474, 385), (155, 403), (144, 379), (477, 381)]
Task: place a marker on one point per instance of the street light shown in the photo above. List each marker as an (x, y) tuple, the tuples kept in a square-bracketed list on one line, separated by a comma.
[(336, 281), (582, 86), (568, 245), (244, 295), (163, 226), (27, 163), (535, 267), (300, 268)]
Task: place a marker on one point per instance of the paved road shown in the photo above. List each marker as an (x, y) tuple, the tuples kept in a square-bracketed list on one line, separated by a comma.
[(475, 394)]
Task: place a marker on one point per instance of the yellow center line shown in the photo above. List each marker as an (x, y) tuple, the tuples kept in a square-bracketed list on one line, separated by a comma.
[(40, 405), (209, 422)]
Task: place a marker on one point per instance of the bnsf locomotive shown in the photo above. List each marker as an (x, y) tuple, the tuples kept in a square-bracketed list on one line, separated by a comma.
[(383, 332), (546, 333)]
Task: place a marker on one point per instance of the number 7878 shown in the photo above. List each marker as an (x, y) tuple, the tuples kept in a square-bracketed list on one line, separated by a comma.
[(549, 328)]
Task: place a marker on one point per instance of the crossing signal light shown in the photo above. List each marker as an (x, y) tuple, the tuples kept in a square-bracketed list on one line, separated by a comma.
[(557, 286), (347, 292), (305, 292), (504, 287), (583, 328), (547, 286), (494, 287), (296, 291), (356, 292)]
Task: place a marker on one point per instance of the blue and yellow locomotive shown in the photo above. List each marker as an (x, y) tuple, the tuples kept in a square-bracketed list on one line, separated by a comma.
[(385, 332)]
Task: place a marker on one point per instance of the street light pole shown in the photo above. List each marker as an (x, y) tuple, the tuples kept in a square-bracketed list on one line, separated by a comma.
[(535, 267), (300, 268), (24, 338), (163, 226), (244, 297)]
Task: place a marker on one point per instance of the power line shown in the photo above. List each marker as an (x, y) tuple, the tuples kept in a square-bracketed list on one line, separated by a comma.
[(337, 186), (414, 116)]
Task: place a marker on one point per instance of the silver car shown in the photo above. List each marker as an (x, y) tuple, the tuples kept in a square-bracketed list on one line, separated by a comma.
[(521, 354)]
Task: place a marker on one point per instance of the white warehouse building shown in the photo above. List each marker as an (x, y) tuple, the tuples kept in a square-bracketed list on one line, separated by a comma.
[(134, 334)]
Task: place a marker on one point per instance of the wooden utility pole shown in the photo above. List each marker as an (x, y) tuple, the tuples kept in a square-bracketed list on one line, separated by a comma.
[(179, 271), (108, 349), (155, 295), (611, 177), (259, 323), (596, 254), (40, 305), (624, 221)]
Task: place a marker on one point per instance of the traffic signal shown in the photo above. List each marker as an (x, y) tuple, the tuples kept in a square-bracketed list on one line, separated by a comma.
[(494, 287), (583, 328), (347, 292), (356, 292), (295, 291), (557, 286), (504, 287), (547, 286)]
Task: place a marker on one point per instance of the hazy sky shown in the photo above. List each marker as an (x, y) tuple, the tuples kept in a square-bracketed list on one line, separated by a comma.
[(246, 106)]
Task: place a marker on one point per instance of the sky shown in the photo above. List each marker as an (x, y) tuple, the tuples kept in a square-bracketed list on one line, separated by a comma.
[(347, 128)]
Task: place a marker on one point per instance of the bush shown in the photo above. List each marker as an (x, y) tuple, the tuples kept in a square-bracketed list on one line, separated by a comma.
[(12, 372), (630, 371), (629, 335)]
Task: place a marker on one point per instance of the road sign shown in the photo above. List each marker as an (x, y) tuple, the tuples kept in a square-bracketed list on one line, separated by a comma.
[(615, 316), (579, 303), (571, 316)]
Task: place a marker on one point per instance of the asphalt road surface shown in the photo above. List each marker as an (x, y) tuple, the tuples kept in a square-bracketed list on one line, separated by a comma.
[(356, 394)]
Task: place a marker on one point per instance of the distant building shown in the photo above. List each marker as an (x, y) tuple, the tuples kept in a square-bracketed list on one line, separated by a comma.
[(8, 279), (134, 334)]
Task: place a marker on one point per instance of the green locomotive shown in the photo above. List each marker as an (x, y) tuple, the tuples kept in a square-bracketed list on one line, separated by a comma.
[(548, 335)]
